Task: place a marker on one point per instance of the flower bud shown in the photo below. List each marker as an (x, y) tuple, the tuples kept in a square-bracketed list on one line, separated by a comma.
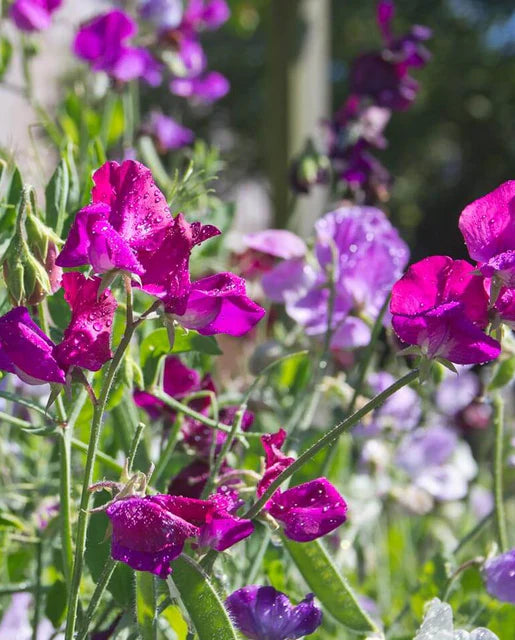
[(310, 168)]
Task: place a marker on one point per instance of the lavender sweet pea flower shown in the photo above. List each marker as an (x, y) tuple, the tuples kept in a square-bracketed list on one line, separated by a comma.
[(26, 351), (499, 575), (262, 613), (102, 43), (33, 15), (279, 243), (441, 305), (86, 341), (168, 133), (219, 304), (488, 226), (206, 88), (164, 14), (456, 392), (206, 14)]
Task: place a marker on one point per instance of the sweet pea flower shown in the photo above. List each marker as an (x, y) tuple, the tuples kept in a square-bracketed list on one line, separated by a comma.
[(86, 341), (103, 43), (307, 511), (278, 243), (262, 613), (150, 532), (487, 225), (499, 575), (439, 625), (441, 306), (26, 351), (164, 14), (33, 15), (206, 14), (206, 88), (366, 256), (168, 133)]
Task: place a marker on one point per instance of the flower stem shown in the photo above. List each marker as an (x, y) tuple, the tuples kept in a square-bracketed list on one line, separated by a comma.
[(500, 516), (96, 426), (102, 583), (37, 590), (329, 438)]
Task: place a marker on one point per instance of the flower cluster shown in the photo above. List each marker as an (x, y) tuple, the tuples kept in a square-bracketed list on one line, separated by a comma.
[(358, 256), (379, 83), (104, 43), (443, 306)]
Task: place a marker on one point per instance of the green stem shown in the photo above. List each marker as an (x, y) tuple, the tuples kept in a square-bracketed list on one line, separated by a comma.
[(329, 438), (17, 422), (500, 516), (102, 583), (96, 426), (473, 532), (37, 590), (134, 446), (101, 456), (26, 403)]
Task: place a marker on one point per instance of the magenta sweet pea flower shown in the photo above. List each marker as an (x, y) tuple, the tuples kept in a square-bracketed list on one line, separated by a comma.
[(26, 351), (488, 227), (168, 133), (150, 532), (103, 43), (219, 304), (441, 306), (206, 88), (279, 243), (307, 511), (33, 15), (499, 575), (206, 14), (86, 341), (262, 613)]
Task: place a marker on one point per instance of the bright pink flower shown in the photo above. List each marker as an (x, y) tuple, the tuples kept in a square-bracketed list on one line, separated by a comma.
[(86, 341), (488, 226), (307, 511), (150, 532), (441, 305), (33, 15)]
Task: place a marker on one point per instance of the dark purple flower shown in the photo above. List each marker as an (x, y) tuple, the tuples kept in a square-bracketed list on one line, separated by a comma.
[(275, 460), (102, 42), (150, 532), (168, 133), (33, 15), (262, 613), (86, 341), (499, 575), (26, 351), (488, 227), (206, 88), (441, 306), (164, 14)]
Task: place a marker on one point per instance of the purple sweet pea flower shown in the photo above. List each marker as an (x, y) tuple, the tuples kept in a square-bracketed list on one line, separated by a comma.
[(307, 511), (441, 305), (33, 15), (262, 613), (86, 341), (26, 351), (168, 133), (206, 14), (488, 227), (279, 243), (499, 575), (164, 14), (437, 462), (366, 255), (206, 88), (219, 304), (456, 392), (150, 532), (102, 43)]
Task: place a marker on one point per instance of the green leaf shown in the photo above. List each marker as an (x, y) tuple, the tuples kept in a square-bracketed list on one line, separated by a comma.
[(201, 600), (146, 605), (504, 374), (56, 194), (6, 51), (156, 345), (178, 625), (326, 582), (56, 603)]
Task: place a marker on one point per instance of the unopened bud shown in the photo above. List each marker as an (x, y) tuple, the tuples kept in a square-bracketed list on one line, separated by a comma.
[(309, 168)]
